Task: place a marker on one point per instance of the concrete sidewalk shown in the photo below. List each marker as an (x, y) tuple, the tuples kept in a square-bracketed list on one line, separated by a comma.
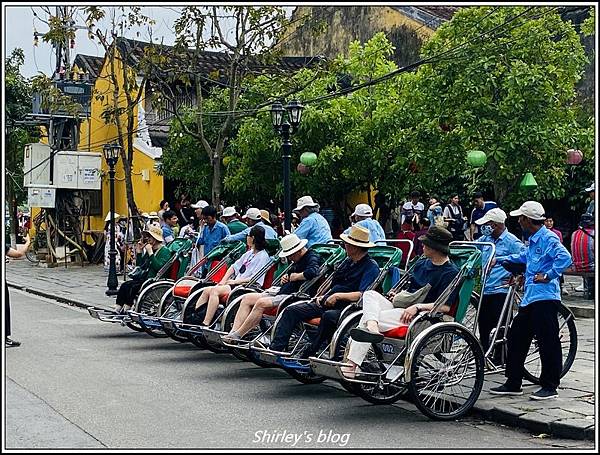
[(572, 415)]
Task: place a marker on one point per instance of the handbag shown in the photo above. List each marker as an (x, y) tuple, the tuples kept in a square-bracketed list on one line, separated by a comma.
[(404, 299)]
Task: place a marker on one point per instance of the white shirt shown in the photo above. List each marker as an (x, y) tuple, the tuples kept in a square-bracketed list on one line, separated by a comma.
[(253, 263)]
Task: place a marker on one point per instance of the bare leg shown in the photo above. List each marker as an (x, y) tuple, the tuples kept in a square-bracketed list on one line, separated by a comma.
[(204, 296), (213, 302), (255, 315), (248, 301)]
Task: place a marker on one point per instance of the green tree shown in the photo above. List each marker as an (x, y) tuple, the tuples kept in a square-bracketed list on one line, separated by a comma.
[(17, 103), (510, 94)]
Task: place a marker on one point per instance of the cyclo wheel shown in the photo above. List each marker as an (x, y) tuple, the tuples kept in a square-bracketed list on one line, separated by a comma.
[(217, 348), (339, 351), (149, 303), (299, 334), (446, 372), (171, 308), (567, 333)]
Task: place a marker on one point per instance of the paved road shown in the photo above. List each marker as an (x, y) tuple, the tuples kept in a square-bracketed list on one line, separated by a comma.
[(79, 383)]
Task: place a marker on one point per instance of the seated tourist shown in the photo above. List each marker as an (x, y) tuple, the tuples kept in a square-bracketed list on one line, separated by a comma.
[(254, 218), (306, 264), (432, 274), (240, 272), (313, 226), (363, 216), (354, 276)]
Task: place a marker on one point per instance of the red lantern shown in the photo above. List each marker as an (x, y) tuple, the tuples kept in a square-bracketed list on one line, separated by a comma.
[(574, 157), (303, 169)]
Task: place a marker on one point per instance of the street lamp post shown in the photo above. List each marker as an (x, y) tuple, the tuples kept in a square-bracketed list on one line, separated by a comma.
[(111, 154), (285, 129)]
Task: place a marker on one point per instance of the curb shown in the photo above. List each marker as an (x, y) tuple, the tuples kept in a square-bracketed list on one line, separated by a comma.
[(48, 295), (538, 423), (581, 311)]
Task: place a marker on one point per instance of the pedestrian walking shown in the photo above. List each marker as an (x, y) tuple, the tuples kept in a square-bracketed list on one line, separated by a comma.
[(545, 259), (15, 253)]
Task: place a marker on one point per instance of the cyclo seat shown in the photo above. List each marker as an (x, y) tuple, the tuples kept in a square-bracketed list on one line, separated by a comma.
[(313, 321)]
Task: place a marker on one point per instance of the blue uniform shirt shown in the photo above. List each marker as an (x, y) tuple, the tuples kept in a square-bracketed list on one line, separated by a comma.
[(506, 245), (168, 234), (545, 254), (212, 236), (315, 229), (270, 233), (375, 230)]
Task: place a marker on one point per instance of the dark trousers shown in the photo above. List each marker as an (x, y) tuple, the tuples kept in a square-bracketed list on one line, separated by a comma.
[(6, 310), (290, 317), (539, 319), (491, 307), (329, 322), (128, 292)]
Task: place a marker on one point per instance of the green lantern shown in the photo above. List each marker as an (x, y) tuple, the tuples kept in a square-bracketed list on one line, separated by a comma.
[(476, 158), (308, 158), (528, 182)]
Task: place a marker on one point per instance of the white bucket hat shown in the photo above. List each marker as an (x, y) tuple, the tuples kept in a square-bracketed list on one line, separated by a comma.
[(290, 244), (305, 201), (496, 215), (117, 216), (253, 214), (199, 205), (229, 211), (531, 209), (363, 210)]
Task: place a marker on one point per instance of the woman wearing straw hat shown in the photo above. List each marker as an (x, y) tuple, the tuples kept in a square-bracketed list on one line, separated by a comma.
[(305, 267), (150, 253), (355, 274), (429, 278)]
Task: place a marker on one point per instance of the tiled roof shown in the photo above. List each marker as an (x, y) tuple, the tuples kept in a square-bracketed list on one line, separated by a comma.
[(210, 62), (90, 64), (430, 16)]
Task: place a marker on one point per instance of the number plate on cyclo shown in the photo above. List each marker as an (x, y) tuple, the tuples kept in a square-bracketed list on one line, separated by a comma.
[(388, 348)]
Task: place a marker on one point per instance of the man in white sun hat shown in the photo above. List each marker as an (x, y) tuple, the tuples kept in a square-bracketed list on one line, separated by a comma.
[(253, 218), (229, 217), (493, 230), (545, 259), (363, 216), (591, 190), (306, 264), (313, 226)]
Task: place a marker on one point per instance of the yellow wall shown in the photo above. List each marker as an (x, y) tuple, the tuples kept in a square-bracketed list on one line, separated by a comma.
[(95, 133)]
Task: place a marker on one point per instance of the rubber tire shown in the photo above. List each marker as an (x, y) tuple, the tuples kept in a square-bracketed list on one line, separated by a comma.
[(304, 378), (158, 289), (475, 347), (172, 333), (565, 313)]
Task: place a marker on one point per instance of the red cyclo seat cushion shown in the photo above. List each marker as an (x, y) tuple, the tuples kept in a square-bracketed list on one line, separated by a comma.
[(270, 311), (269, 277), (396, 332), (174, 270), (182, 290), (219, 273), (314, 321), (223, 298)]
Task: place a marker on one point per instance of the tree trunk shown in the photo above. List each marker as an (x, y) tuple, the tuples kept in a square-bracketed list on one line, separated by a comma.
[(13, 214), (216, 182)]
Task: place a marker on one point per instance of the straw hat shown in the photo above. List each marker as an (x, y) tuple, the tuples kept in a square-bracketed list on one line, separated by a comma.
[(117, 216), (358, 236), (290, 244), (264, 214), (155, 231), (153, 215)]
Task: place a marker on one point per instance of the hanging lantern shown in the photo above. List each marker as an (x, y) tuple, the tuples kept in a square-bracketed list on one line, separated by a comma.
[(226, 161), (574, 156), (476, 158), (528, 182), (308, 158), (303, 169)]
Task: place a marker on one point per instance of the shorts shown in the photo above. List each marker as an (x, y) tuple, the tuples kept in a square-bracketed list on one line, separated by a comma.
[(278, 299)]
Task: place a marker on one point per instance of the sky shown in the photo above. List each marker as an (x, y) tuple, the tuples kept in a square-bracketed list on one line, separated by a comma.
[(20, 22)]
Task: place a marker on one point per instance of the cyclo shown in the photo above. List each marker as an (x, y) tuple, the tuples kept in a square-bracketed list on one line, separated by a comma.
[(170, 296), (173, 269), (440, 362), (387, 257), (186, 322), (330, 255)]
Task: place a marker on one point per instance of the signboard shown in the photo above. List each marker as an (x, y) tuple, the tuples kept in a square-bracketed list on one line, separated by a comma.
[(41, 197)]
